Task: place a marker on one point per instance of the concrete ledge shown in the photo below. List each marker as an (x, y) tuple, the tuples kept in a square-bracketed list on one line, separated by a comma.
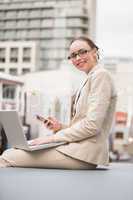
[(114, 183)]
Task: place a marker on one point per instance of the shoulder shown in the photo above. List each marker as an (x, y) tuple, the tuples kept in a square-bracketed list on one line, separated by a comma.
[(99, 72)]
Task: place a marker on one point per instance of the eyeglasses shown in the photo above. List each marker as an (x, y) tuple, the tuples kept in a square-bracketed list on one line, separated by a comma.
[(81, 53)]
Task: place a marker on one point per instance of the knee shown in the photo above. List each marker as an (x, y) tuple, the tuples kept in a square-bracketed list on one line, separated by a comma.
[(14, 156), (6, 157), (8, 151), (11, 153)]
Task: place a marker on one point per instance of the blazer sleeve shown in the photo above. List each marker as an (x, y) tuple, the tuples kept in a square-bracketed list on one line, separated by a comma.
[(98, 102)]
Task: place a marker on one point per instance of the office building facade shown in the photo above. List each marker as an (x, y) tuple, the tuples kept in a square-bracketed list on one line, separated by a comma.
[(51, 24), (18, 58)]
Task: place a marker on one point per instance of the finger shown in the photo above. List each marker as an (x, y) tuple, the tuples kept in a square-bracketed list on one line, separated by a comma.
[(52, 119), (33, 143), (48, 120), (45, 121), (49, 124)]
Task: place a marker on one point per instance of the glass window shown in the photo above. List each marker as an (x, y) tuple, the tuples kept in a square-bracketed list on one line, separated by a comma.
[(34, 23), (14, 54), (74, 32), (74, 22), (2, 70), (1, 24), (46, 33), (55, 43), (25, 70), (47, 23), (26, 54), (9, 35), (85, 21), (60, 22), (77, 11), (13, 71), (1, 35), (23, 13), (11, 14), (2, 55), (48, 12), (2, 14), (59, 32), (35, 13), (10, 24), (21, 34), (34, 34), (8, 91), (22, 23)]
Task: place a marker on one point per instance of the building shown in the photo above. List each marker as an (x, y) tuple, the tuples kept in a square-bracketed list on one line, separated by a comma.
[(18, 57), (49, 23), (10, 92), (122, 72)]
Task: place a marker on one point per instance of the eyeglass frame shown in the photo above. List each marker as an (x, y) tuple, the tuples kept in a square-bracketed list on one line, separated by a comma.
[(78, 54)]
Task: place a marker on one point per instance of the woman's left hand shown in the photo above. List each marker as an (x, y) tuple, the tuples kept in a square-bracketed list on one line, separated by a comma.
[(42, 140)]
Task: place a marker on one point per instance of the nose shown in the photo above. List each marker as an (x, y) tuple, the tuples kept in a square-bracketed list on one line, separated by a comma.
[(77, 57)]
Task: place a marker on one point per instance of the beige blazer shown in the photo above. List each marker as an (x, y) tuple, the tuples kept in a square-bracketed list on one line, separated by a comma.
[(93, 111)]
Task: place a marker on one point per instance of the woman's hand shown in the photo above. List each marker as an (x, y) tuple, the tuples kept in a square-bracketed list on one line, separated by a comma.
[(42, 140), (53, 124)]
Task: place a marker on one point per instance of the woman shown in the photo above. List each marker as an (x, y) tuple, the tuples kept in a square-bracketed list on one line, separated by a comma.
[(92, 112)]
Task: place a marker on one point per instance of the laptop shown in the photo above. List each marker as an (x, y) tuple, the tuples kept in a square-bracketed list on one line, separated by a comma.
[(14, 131)]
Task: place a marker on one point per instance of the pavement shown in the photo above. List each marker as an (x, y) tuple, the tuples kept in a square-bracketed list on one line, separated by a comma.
[(112, 183)]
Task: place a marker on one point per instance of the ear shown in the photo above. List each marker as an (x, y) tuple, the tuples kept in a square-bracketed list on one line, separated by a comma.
[(95, 54)]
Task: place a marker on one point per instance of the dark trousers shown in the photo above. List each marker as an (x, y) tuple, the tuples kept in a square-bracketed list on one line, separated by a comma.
[(3, 141)]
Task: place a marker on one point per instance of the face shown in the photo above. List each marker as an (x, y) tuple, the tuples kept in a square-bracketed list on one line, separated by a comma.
[(82, 56)]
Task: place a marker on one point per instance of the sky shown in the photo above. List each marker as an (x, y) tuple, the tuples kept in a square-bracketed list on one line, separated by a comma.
[(115, 27)]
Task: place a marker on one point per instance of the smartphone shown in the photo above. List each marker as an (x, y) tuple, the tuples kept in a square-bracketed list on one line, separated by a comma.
[(41, 118)]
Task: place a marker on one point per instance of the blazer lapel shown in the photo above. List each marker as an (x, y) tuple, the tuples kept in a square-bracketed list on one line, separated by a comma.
[(84, 82), (77, 95), (79, 91)]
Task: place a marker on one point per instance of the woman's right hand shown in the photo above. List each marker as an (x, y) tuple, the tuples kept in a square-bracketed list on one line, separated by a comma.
[(52, 124)]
